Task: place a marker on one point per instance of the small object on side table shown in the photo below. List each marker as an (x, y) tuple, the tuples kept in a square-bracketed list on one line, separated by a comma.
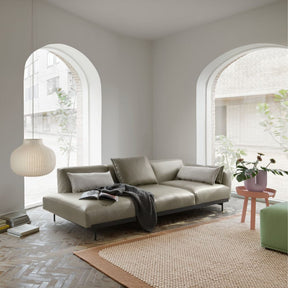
[(267, 193)]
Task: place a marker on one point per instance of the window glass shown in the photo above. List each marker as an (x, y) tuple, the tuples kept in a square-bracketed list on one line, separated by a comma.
[(57, 118), (50, 58), (242, 125), (52, 85)]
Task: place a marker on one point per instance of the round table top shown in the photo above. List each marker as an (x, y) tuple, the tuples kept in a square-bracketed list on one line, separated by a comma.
[(268, 192)]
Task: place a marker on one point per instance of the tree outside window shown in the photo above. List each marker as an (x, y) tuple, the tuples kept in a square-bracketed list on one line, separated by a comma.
[(251, 114)]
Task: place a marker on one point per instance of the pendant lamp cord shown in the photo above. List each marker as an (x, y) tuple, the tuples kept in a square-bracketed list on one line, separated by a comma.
[(33, 115), (32, 40)]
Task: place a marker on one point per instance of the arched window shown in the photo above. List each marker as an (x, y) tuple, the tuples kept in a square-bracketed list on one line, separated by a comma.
[(236, 87), (67, 112)]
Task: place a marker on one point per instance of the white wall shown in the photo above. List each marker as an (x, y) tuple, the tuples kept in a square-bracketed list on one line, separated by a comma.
[(178, 61), (124, 66)]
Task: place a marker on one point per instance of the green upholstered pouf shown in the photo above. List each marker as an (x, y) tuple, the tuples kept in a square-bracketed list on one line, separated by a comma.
[(273, 227)]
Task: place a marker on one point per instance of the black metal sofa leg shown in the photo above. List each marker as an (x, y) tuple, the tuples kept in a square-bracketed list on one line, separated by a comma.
[(222, 206), (54, 218)]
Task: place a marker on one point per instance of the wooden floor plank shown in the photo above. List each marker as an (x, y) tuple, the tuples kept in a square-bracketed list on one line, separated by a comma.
[(45, 259)]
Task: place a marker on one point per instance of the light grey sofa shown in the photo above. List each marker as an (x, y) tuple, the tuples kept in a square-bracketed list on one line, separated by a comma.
[(171, 195)]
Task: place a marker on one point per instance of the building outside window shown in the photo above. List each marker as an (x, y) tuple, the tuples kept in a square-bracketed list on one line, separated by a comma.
[(242, 90), (52, 85), (52, 59), (55, 120), (28, 92)]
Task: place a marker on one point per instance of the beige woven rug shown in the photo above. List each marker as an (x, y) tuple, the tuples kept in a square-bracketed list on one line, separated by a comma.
[(223, 253)]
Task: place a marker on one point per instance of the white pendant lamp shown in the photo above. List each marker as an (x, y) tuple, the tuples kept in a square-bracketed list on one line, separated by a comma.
[(32, 158)]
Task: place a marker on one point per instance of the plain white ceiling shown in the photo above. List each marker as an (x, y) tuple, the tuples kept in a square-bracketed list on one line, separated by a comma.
[(151, 19)]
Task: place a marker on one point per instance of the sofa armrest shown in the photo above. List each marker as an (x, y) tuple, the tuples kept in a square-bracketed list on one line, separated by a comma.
[(227, 179)]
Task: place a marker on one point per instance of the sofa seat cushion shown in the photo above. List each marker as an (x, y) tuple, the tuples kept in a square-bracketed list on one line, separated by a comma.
[(88, 212), (168, 197), (203, 192)]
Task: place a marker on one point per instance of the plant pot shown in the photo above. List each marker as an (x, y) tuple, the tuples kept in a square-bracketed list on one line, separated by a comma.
[(257, 183)]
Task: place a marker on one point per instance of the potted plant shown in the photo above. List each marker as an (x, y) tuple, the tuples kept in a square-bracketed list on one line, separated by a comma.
[(254, 177)]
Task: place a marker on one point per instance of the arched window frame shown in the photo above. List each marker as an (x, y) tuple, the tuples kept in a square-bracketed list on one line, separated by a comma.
[(91, 108), (92, 99), (205, 99)]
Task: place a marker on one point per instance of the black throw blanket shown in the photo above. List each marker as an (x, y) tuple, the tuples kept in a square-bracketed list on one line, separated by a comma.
[(143, 202)]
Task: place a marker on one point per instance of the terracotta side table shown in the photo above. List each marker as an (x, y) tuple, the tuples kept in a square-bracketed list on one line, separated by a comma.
[(267, 193)]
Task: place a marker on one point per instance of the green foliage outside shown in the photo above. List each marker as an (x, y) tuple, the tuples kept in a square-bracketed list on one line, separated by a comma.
[(276, 122), (66, 118), (227, 154)]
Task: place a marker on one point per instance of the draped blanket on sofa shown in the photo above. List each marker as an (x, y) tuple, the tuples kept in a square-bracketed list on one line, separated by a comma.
[(143, 202)]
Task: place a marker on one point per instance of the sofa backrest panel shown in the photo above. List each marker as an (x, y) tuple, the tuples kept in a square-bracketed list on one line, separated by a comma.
[(227, 179), (64, 185), (113, 173), (166, 170)]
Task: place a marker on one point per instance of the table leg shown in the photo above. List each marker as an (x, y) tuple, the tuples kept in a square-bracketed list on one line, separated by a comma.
[(253, 213), (244, 209), (267, 202)]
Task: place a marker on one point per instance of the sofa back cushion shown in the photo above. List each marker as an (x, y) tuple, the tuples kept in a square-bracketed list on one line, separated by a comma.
[(202, 174), (134, 170), (166, 170), (81, 182), (64, 184), (220, 175)]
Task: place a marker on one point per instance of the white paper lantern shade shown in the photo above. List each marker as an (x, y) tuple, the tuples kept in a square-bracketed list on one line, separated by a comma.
[(32, 159)]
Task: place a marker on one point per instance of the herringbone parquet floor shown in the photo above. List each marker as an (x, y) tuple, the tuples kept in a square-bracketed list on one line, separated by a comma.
[(45, 259)]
